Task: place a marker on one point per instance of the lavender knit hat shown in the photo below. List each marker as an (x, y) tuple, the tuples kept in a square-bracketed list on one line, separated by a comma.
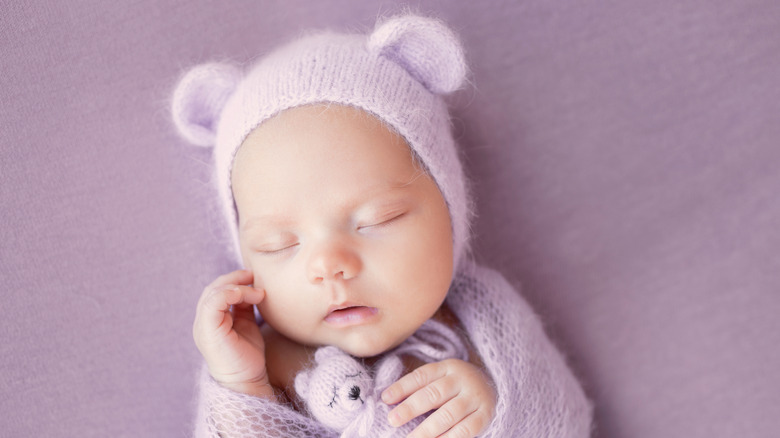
[(398, 73)]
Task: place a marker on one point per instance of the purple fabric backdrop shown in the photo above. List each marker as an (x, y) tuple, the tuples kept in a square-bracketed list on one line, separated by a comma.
[(624, 156)]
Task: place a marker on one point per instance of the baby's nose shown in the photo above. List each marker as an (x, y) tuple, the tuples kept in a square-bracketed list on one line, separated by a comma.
[(331, 262)]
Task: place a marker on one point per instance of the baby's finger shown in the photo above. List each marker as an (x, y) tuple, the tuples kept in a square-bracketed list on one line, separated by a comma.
[(211, 313), (427, 398), (471, 426), (413, 381), (244, 311), (447, 419), (241, 276)]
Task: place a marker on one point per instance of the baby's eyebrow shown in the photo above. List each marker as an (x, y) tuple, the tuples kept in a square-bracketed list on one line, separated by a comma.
[(267, 220), (375, 195)]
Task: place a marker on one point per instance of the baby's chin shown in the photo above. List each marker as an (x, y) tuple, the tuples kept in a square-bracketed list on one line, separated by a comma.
[(365, 349), (362, 342)]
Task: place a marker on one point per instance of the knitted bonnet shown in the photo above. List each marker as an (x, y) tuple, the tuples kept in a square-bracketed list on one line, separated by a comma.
[(398, 73)]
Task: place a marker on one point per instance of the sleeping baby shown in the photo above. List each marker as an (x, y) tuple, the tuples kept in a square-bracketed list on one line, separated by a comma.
[(359, 311)]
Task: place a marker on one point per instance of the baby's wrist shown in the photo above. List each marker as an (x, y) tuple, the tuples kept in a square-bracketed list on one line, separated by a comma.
[(259, 388), (256, 390)]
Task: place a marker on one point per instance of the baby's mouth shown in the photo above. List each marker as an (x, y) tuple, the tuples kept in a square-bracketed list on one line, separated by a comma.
[(344, 316)]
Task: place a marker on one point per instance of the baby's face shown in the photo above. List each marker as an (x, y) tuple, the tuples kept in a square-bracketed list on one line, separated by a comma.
[(350, 239)]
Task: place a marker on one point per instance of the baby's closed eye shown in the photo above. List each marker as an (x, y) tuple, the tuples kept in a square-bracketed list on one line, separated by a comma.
[(273, 243), (381, 221), (276, 248)]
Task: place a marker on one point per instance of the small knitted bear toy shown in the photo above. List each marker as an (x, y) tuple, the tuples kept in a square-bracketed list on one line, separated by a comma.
[(341, 393)]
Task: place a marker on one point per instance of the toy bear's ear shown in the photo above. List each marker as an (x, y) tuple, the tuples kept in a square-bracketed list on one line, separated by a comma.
[(324, 353), (425, 47), (388, 371), (302, 384), (199, 99)]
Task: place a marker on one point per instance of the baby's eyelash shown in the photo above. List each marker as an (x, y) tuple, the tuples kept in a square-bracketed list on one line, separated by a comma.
[(277, 251), (382, 222)]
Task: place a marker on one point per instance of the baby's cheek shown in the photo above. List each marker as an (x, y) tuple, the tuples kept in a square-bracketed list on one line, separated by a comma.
[(270, 278), (290, 307)]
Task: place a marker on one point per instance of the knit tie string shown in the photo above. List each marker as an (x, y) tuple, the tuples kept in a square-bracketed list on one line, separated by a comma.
[(434, 342)]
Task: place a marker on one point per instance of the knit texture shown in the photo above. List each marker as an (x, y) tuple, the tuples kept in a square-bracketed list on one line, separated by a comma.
[(398, 73), (538, 395), (345, 395)]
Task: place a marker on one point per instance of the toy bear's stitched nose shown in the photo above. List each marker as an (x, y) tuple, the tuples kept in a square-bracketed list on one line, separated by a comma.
[(354, 393)]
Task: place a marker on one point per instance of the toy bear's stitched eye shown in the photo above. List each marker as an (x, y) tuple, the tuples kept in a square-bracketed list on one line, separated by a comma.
[(358, 374), (335, 394)]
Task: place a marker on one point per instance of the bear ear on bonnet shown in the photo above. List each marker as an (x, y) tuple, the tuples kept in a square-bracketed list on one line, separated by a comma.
[(199, 99), (425, 47)]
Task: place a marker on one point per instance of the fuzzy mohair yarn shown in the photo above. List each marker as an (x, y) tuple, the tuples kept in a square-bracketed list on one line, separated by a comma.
[(344, 394), (398, 73)]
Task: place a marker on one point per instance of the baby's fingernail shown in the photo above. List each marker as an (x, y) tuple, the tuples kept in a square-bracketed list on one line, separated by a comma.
[(393, 418), (387, 395)]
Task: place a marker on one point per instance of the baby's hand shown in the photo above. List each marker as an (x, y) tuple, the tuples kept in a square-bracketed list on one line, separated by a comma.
[(228, 338), (461, 394)]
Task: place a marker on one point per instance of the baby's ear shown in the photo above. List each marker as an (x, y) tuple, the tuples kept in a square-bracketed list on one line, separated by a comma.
[(425, 47), (199, 99)]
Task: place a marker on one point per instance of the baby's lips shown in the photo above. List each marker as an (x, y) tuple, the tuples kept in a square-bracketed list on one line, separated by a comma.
[(354, 315)]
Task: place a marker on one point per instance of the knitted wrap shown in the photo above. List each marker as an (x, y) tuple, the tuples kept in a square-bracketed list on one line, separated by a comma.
[(537, 394), (399, 73)]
